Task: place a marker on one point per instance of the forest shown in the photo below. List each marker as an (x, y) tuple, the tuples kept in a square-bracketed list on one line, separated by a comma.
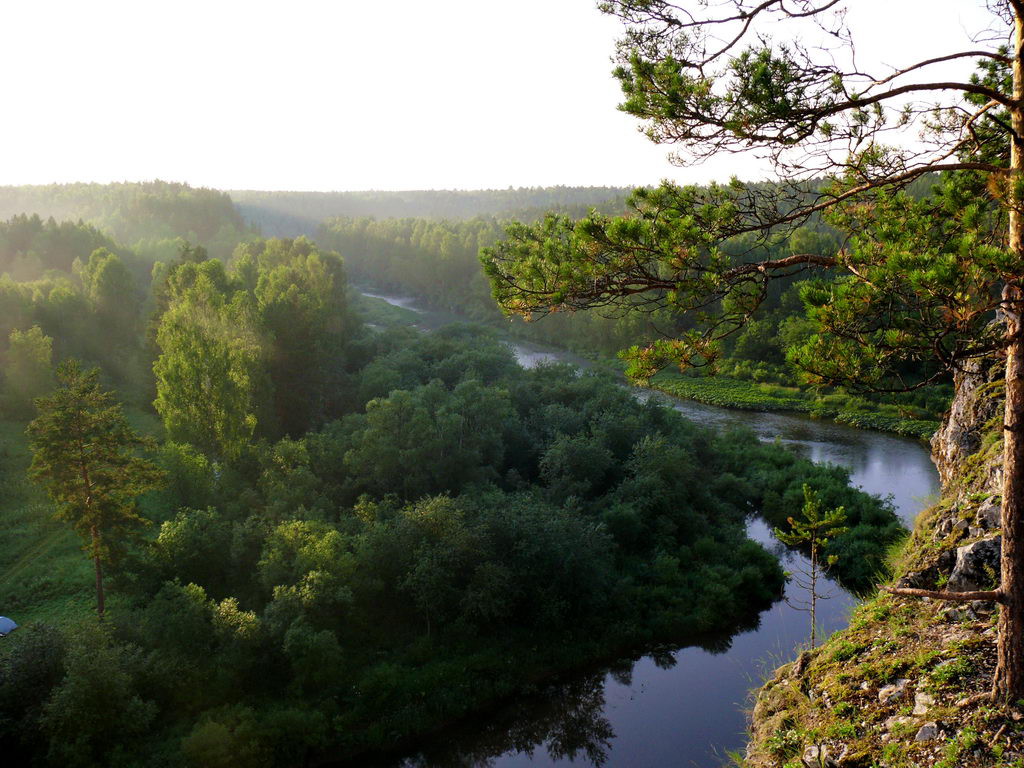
[(438, 263), (546, 474), (337, 535), (290, 214)]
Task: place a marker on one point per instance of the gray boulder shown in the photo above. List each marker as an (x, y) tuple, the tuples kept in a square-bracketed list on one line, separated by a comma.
[(990, 516), (976, 564), (928, 577), (922, 703), (816, 756)]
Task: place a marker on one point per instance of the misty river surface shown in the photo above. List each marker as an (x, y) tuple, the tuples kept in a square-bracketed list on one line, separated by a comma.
[(680, 707)]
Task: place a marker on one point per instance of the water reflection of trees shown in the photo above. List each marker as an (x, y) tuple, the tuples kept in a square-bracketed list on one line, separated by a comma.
[(565, 719)]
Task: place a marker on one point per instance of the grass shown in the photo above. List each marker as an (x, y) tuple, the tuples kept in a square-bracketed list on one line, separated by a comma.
[(44, 576), (377, 312), (753, 396)]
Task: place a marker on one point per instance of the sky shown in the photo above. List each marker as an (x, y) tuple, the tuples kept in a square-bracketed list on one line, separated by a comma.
[(345, 95)]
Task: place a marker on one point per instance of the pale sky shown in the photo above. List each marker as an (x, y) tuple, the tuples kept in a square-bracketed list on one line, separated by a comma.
[(346, 95)]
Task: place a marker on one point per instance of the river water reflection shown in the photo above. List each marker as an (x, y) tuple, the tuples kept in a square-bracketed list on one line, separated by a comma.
[(680, 707)]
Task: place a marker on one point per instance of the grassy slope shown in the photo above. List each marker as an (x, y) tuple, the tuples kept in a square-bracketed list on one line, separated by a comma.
[(830, 697), (380, 313), (44, 576)]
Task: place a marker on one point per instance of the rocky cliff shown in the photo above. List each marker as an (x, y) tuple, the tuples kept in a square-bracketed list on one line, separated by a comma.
[(898, 688)]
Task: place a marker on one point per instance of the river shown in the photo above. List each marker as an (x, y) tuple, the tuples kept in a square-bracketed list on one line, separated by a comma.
[(680, 707)]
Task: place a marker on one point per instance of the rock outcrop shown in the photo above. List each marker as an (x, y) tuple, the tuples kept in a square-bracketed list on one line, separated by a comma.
[(971, 412)]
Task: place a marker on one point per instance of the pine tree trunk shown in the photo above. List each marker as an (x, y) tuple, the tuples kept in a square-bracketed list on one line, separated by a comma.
[(100, 598), (814, 593), (1009, 678), (1008, 684)]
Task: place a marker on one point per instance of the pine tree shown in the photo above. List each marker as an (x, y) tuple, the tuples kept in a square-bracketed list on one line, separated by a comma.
[(812, 532), (84, 454)]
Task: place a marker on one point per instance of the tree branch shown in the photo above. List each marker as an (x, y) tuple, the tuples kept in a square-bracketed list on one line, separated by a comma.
[(910, 175), (940, 59), (800, 259), (952, 597)]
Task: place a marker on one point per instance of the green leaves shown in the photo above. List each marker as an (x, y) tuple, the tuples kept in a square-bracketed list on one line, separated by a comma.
[(258, 351), (211, 376), (683, 249), (28, 372), (84, 456)]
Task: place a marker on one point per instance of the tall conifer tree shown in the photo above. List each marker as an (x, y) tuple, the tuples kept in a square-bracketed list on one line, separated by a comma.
[(84, 454)]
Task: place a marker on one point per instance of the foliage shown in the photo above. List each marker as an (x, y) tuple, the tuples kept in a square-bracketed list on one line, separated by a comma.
[(436, 262), (83, 455), (919, 277), (149, 216), (28, 372), (95, 714), (30, 246), (378, 576), (211, 377), (300, 294), (255, 350)]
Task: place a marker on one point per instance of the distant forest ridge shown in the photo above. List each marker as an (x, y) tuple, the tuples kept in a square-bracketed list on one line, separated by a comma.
[(129, 211), (149, 217), (146, 213), (288, 214)]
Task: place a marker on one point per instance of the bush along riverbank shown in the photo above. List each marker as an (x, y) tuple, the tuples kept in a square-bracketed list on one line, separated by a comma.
[(897, 687), (750, 387), (725, 392)]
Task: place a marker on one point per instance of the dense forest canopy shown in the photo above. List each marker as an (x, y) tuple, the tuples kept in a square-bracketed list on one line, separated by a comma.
[(144, 216), (363, 530), (460, 507)]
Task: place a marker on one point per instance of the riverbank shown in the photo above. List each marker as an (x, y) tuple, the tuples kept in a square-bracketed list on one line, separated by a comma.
[(720, 391), (894, 688), (753, 396)]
